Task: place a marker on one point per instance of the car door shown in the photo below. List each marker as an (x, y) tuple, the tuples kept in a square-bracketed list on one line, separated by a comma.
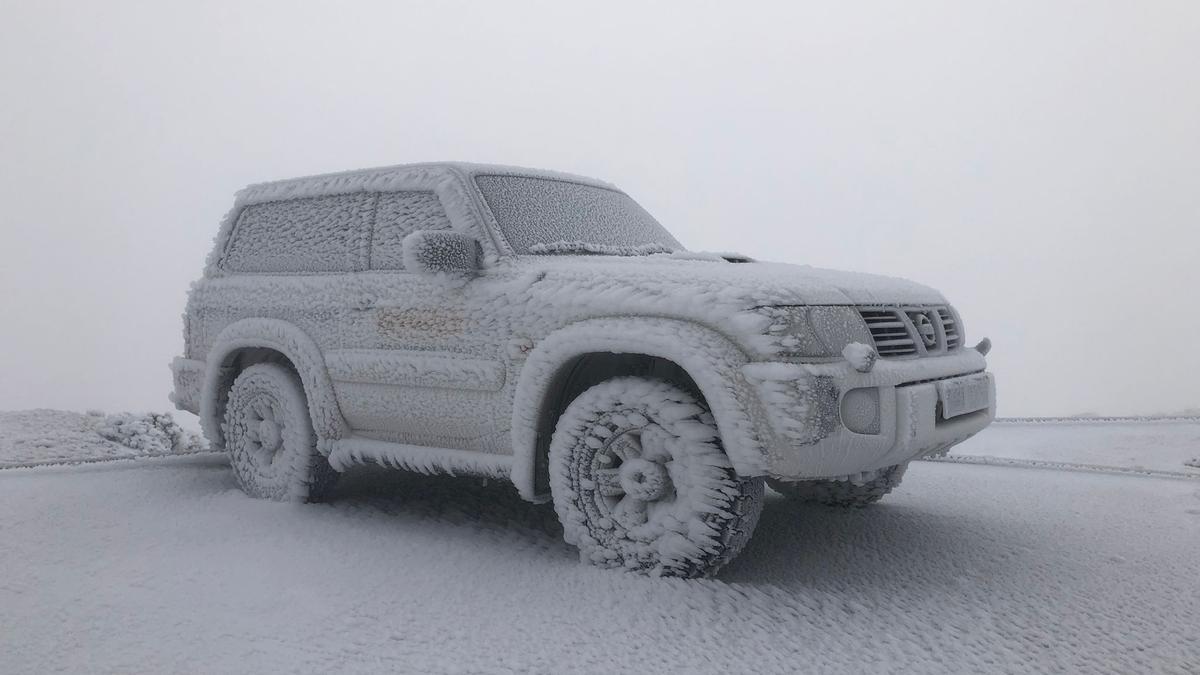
[(414, 367), (296, 260)]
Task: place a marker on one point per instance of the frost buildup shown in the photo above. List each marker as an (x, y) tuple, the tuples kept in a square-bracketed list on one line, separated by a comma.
[(152, 433), (319, 234), (438, 251), (861, 357), (524, 291), (578, 247)]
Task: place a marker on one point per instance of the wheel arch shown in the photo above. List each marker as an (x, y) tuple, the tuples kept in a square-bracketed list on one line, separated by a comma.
[(585, 353), (249, 341)]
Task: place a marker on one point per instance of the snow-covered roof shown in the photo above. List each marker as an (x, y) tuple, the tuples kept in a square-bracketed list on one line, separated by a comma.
[(372, 177), (445, 178)]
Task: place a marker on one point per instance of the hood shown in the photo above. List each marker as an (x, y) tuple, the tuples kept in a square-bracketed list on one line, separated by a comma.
[(745, 284)]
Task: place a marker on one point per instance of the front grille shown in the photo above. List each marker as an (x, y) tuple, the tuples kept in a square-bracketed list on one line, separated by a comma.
[(950, 327), (912, 331), (888, 330)]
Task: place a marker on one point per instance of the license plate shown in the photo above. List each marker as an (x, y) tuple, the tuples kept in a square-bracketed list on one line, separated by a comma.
[(964, 395)]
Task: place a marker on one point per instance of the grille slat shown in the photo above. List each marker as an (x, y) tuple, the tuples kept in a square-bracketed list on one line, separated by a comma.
[(950, 328), (897, 332), (889, 332)]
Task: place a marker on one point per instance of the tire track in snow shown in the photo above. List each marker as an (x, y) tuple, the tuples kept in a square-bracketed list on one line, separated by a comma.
[(978, 460), (101, 460), (985, 460), (1108, 419)]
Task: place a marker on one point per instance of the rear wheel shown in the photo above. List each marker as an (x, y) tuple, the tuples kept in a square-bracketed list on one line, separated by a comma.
[(270, 438), (640, 480), (848, 493)]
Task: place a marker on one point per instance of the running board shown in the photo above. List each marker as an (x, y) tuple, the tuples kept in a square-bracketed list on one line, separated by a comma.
[(419, 458)]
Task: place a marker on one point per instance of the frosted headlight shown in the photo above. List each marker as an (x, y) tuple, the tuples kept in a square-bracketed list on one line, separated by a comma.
[(817, 332)]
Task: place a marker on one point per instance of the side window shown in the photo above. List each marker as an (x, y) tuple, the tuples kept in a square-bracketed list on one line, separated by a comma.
[(319, 234), (398, 215)]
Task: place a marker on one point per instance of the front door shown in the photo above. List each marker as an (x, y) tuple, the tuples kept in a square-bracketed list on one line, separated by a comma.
[(416, 366)]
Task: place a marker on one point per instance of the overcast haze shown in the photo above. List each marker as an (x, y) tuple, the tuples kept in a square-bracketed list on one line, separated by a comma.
[(1037, 162)]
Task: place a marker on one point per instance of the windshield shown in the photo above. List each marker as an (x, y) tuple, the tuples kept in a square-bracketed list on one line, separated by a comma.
[(546, 216)]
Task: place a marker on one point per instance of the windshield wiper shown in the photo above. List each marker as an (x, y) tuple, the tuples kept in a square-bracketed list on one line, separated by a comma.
[(567, 247)]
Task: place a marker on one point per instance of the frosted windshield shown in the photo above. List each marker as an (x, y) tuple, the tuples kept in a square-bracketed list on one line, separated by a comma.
[(545, 216)]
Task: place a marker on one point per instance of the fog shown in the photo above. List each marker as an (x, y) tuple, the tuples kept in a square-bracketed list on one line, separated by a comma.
[(1037, 162)]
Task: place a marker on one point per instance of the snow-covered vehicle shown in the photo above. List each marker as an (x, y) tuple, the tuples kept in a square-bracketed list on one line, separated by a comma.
[(544, 329)]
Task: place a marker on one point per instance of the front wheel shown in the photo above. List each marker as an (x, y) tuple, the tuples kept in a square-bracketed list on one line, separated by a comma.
[(270, 437), (640, 480), (853, 493)]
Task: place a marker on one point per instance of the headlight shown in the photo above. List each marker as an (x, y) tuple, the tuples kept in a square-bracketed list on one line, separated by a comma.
[(815, 332)]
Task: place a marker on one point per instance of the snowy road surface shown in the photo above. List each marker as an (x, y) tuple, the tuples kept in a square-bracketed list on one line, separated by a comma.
[(1152, 445), (163, 566)]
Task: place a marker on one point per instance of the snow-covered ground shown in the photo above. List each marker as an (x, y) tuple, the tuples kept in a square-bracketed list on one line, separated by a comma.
[(30, 437), (1171, 445), (162, 566)]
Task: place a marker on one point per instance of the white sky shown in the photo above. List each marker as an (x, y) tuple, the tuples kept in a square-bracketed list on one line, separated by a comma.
[(1038, 162)]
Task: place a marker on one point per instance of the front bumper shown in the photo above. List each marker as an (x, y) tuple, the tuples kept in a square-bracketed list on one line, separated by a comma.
[(188, 376), (805, 417)]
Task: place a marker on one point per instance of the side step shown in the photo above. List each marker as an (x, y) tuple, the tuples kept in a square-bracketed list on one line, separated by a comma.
[(419, 458)]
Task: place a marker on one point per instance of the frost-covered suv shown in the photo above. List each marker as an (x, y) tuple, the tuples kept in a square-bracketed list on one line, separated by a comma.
[(545, 329)]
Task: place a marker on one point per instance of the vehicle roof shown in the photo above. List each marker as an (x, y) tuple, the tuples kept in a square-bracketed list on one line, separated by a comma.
[(425, 176), (465, 169)]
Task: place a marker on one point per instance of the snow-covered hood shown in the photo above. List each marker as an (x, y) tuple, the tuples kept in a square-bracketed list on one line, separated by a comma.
[(731, 285), (544, 293)]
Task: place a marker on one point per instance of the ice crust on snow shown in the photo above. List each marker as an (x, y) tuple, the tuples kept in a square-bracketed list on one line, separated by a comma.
[(973, 569), (1148, 444), (152, 433), (47, 436)]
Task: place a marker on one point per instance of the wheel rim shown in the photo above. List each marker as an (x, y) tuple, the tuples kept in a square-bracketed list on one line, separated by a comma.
[(633, 476), (264, 431)]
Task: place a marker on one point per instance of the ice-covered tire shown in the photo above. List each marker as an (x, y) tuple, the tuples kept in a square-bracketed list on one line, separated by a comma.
[(842, 492), (270, 437), (640, 480)]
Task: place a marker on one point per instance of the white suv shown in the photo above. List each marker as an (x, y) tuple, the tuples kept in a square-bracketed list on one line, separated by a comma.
[(545, 329)]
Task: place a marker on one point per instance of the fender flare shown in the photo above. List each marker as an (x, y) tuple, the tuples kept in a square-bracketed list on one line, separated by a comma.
[(300, 349), (712, 361)]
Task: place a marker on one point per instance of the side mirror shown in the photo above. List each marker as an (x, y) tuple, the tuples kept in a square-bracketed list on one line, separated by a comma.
[(434, 251)]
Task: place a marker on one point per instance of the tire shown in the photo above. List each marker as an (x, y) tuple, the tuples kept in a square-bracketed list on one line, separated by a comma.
[(845, 493), (640, 480), (270, 438)]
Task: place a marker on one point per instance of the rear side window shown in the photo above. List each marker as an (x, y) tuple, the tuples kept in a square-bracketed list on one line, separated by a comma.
[(398, 215), (319, 234)]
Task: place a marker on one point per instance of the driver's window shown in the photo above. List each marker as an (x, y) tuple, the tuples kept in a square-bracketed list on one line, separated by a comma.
[(398, 215)]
